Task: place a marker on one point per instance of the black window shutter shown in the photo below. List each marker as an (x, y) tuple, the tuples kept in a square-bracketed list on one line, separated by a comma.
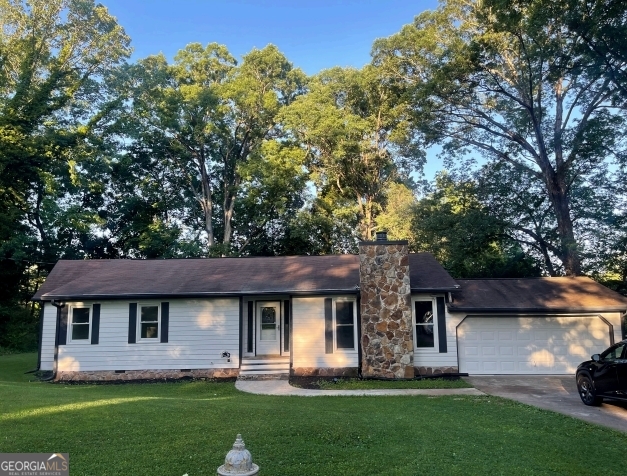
[(441, 324), (328, 326), (286, 326), (95, 323), (132, 323), (63, 312), (251, 326), (165, 321)]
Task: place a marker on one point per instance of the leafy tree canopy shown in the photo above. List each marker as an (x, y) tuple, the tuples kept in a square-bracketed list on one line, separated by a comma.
[(515, 92)]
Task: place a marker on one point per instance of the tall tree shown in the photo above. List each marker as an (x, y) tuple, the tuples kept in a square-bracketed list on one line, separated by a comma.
[(273, 183), (598, 28), (509, 90), (53, 55), (206, 116), (523, 210), (356, 138), (148, 211), (265, 83), (465, 236), (394, 218)]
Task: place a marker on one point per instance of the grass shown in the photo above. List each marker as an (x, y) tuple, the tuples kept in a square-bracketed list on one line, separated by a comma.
[(357, 384), (187, 428), (9, 351)]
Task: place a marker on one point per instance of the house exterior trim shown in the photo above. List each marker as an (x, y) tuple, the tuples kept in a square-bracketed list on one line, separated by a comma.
[(535, 315), (109, 297), (513, 311)]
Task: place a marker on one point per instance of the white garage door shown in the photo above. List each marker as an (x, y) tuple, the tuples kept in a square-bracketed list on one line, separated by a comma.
[(529, 345)]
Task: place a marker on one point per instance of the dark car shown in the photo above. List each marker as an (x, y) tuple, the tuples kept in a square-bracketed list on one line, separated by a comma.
[(605, 376)]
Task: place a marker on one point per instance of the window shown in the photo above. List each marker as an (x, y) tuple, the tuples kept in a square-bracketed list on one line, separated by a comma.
[(268, 323), (149, 316), (80, 322), (425, 326), (345, 325), (614, 353)]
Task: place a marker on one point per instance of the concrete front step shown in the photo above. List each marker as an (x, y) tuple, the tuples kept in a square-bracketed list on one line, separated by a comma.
[(264, 366), (264, 372), (281, 376)]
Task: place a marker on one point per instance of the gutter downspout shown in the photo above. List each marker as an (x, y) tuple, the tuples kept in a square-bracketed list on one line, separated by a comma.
[(58, 305)]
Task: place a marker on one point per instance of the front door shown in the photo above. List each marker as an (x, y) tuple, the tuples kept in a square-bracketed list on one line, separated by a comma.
[(268, 328)]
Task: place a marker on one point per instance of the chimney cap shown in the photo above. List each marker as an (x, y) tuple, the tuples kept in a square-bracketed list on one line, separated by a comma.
[(382, 235)]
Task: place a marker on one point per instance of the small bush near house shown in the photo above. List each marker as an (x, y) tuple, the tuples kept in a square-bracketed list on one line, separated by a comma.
[(19, 329)]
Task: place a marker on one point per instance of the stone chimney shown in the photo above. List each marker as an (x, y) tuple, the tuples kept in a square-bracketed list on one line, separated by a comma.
[(386, 324)]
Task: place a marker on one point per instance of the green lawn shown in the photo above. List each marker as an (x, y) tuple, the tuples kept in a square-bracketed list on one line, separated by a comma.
[(179, 428), (357, 384)]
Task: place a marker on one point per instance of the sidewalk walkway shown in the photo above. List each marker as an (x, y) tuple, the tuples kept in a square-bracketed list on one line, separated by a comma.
[(282, 388)]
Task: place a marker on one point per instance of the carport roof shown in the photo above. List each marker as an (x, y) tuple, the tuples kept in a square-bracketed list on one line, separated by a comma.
[(563, 294), (117, 279)]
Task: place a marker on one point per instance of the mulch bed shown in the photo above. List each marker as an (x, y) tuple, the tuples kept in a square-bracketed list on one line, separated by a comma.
[(312, 383)]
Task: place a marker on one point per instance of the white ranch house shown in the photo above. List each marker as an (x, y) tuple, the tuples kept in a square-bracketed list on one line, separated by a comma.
[(383, 313)]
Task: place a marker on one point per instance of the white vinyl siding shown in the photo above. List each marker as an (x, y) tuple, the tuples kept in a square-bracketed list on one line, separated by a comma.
[(531, 344), (308, 337), (199, 331), (431, 356), (48, 332)]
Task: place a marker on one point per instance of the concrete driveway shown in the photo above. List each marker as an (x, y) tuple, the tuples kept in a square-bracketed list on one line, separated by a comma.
[(556, 393)]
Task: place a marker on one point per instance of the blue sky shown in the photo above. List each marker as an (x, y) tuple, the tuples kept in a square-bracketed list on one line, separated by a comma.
[(314, 35)]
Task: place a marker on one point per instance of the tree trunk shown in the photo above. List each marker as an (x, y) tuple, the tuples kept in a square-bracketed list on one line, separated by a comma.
[(207, 202), (368, 219), (229, 208), (558, 195), (547, 259), (207, 207), (45, 245)]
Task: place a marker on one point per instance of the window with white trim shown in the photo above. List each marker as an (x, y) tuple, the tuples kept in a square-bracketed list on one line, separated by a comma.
[(149, 322), (344, 324), (80, 322), (425, 332)]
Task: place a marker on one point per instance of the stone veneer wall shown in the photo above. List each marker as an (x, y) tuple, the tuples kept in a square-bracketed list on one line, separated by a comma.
[(111, 375), (386, 322)]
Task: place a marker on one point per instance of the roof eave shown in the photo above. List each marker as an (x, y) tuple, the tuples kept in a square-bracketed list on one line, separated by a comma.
[(431, 290), (534, 310), (109, 297)]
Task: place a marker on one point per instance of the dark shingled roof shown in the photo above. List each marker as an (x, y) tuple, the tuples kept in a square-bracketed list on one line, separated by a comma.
[(426, 274), (107, 279), (535, 294)]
